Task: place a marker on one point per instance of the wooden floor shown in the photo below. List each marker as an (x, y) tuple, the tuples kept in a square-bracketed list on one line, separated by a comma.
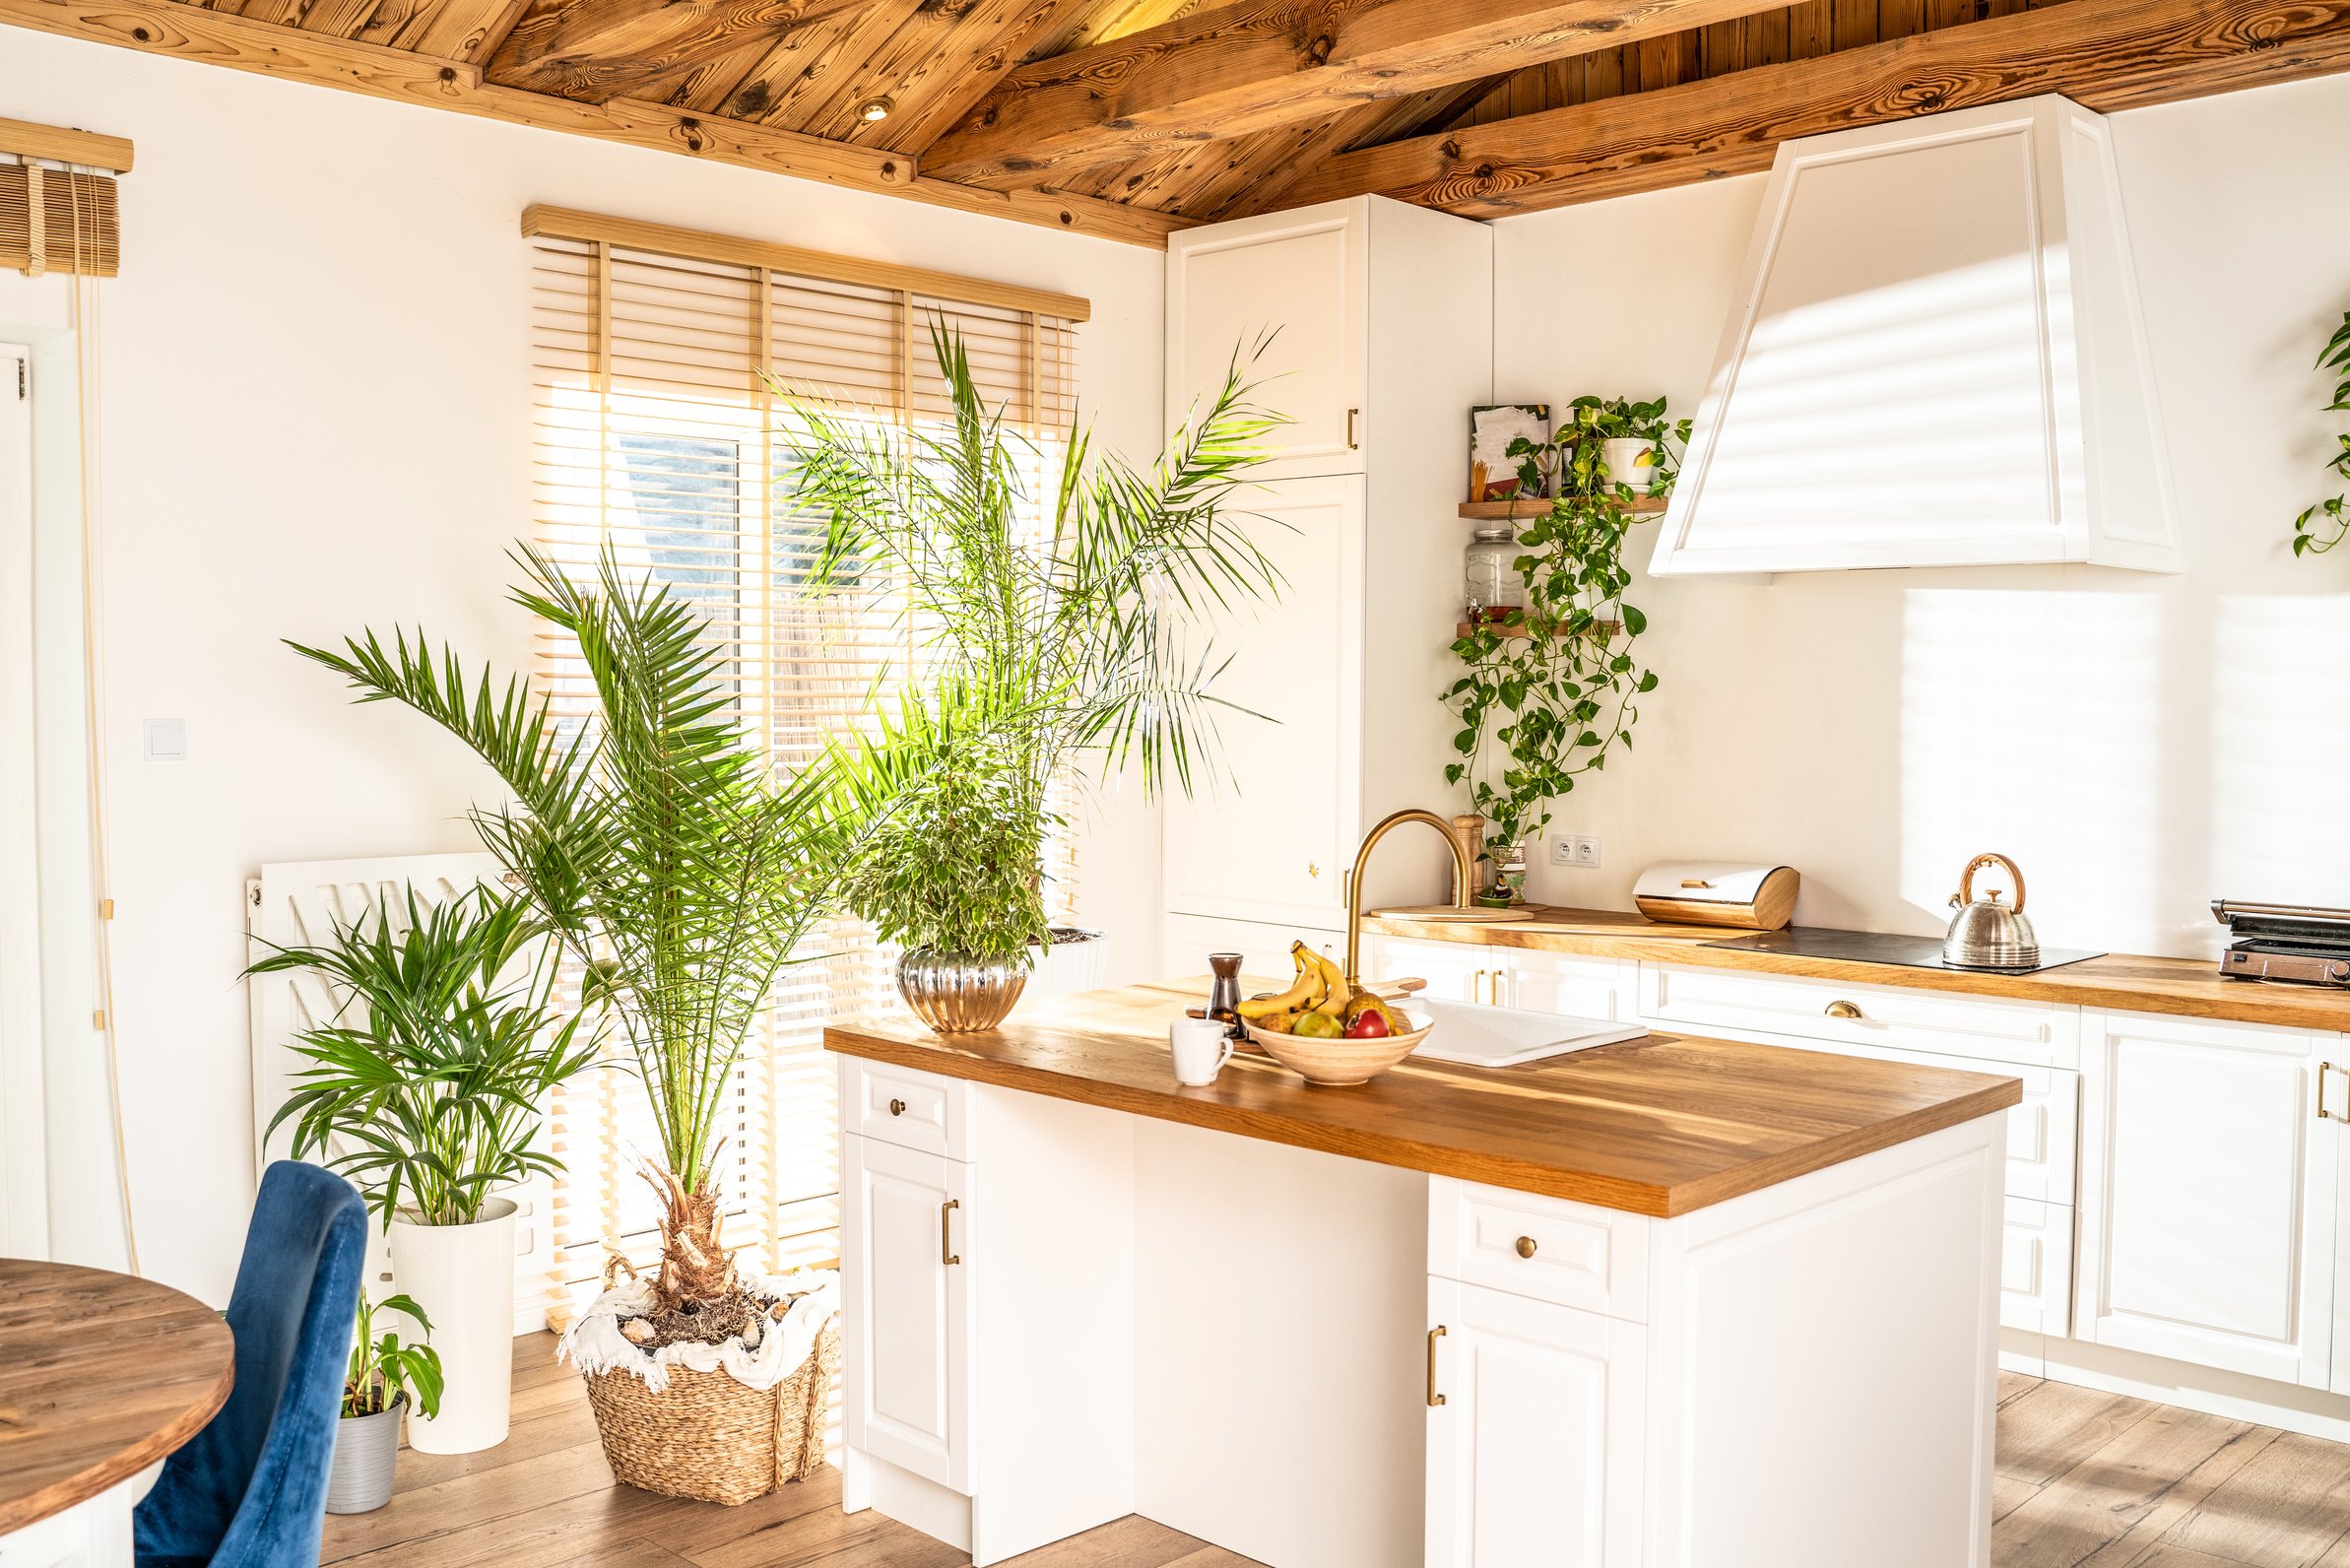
[(2085, 1480)]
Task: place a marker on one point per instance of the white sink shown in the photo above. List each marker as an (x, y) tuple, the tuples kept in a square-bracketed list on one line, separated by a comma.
[(1486, 1036)]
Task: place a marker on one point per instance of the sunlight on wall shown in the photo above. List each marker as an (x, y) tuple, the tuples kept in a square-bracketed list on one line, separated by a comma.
[(2280, 749), (2031, 724)]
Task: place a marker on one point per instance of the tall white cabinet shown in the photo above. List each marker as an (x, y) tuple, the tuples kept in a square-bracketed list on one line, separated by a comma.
[(1377, 317)]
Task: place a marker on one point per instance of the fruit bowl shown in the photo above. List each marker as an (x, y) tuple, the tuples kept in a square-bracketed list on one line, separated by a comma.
[(1340, 1063)]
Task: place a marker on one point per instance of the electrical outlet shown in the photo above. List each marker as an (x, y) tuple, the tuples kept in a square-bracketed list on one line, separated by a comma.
[(1563, 850), (1586, 852)]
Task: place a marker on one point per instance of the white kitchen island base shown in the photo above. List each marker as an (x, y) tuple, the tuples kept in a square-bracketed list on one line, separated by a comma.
[(1057, 1314)]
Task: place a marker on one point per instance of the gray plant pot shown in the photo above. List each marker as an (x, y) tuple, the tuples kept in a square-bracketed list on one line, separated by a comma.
[(360, 1480)]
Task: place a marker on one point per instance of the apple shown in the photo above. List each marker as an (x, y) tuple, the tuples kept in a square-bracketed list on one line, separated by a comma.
[(1371, 1025)]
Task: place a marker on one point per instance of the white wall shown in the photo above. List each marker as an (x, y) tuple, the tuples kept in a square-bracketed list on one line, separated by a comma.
[(315, 418), (2140, 744)]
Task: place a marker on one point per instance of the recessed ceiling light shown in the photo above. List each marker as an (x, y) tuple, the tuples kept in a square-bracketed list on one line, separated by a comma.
[(872, 109)]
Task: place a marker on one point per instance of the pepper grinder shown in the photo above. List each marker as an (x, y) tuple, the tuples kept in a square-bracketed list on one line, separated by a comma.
[(1223, 996)]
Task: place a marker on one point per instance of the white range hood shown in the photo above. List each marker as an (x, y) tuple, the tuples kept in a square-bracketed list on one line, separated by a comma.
[(1935, 358)]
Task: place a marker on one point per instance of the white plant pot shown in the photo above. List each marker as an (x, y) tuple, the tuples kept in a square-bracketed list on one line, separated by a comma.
[(1630, 463), (463, 1276), (1071, 966)]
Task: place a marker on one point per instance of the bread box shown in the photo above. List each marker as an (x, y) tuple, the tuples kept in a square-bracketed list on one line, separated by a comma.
[(1700, 892)]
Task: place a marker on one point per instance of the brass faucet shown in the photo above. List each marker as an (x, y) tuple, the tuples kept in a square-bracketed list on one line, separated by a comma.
[(1460, 835)]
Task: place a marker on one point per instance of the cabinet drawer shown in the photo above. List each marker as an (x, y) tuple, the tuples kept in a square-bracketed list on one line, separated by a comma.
[(1544, 1248), (2036, 1267), (1985, 1028), (1567, 983), (911, 1109)]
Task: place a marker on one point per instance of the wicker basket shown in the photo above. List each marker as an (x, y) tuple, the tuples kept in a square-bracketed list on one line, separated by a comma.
[(708, 1437)]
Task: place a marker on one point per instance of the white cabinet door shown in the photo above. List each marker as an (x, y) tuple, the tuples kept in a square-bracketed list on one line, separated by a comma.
[(1558, 982), (1304, 272), (2207, 1195), (1533, 1455), (906, 1227), (1270, 840), (1457, 972), (1264, 950)]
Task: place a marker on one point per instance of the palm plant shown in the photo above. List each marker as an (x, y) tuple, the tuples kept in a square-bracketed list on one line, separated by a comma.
[(426, 1082), (1039, 648), (653, 839)]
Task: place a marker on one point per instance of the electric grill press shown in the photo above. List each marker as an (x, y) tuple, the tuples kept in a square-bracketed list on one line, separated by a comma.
[(2285, 942)]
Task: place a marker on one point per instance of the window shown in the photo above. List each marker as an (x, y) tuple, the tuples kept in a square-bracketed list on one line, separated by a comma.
[(654, 432)]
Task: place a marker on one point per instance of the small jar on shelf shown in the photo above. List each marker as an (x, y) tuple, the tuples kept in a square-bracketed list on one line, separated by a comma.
[(1493, 588)]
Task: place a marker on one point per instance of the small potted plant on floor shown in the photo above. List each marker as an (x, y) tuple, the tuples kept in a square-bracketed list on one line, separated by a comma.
[(1042, 651), (425, 1088), (387, 1375)]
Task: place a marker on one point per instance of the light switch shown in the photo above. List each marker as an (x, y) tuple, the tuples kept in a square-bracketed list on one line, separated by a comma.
[(166, 740)]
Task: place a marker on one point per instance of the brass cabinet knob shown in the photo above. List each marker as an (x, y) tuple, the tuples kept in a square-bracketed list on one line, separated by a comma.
[(1843, 1010), (898, 1107), (1525, 1246)]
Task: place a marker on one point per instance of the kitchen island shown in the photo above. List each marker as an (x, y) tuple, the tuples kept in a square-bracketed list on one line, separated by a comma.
[(1678, 1300)]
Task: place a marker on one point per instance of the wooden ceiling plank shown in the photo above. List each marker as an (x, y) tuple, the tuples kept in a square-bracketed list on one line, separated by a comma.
[(1259, 64), (194, 33), (1365, 123), (793, 84), (939, 66), (597, 50), (465, 31), (2105, 54)]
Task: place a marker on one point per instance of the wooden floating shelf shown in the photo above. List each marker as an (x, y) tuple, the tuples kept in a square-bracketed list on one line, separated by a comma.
[(1606, 629), (1531, 507)]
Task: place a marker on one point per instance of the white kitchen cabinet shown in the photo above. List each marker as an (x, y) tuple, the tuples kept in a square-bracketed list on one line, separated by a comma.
[(1272, 841), (1455, 971), (1558, 982), (907, 1219), (2036, 1265), (1384, 313), (1299, 281), (2207, 1217), (1534, 1452), (1953, 296)]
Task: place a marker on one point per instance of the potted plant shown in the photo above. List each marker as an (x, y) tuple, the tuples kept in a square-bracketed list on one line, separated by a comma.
[(1553, 685), (678, 872), (1040, 651), (2323, 526), (385, 1371), (423, 1087)]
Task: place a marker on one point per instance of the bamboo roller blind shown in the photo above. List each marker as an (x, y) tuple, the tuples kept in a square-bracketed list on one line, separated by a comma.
[(58, 211), (654, 432)]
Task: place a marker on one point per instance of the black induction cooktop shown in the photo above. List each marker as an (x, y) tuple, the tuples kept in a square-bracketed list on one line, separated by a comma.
[(1875, 946)]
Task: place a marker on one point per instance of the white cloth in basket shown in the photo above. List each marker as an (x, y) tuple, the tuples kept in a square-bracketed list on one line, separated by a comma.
[(594, 1344)]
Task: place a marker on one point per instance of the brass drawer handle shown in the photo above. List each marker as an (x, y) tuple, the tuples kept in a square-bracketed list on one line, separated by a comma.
[(2325, 1115), (946, 1249), (898, 1107), (1843, 1010), (1434, 1399), (1525, 1246), (1352, 444)]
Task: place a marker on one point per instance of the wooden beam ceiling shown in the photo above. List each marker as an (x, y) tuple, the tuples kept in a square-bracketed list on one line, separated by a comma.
[(2105, 54), (598, 51), (1260, 65)]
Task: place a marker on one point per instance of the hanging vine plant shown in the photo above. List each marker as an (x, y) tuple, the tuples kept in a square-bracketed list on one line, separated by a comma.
[(1551, 685), (2323, 526)]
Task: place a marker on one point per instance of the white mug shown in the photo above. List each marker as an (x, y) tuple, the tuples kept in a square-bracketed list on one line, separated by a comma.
[(1202, 1047)]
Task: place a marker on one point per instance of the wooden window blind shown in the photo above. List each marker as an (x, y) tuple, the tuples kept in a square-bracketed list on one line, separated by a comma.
[(58, 208), (654, 432)]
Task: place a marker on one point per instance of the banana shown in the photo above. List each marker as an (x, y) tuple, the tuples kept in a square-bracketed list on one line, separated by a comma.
[(1336, 993), (1306, 992)]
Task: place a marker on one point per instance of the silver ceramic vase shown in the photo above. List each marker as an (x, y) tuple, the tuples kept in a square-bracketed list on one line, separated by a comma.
[(359, 1478), (959, 995)]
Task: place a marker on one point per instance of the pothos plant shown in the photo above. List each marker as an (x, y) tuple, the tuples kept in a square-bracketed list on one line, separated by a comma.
[(1553, 688), (2323, 526)]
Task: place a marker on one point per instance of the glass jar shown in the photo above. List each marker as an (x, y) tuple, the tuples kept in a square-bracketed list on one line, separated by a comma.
[(1494, 588)]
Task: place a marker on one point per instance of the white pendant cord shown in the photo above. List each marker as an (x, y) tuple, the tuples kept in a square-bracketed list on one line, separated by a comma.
[(84, 317)]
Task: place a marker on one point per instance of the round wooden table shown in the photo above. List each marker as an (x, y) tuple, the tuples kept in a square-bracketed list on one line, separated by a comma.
[(101, 1376)]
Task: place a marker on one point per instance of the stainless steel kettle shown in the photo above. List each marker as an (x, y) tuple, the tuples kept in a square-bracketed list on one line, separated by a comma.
[(1986, 934)]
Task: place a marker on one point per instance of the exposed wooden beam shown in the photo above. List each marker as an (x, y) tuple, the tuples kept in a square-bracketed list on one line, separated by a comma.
[(598, 51), (2105, 54), (55, 143), (1262, 64), (193, 33)]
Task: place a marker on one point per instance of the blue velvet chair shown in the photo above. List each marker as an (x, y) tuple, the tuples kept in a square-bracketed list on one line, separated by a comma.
[(249, 1491)]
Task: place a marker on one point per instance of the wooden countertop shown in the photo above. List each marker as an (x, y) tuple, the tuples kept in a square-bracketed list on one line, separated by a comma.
[(1658, 1125), (2189, 987), (101, 1375)]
